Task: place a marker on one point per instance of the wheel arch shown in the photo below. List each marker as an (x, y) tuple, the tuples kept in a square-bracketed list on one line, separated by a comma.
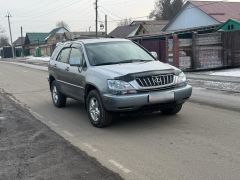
[(51, 78), (89, 87)]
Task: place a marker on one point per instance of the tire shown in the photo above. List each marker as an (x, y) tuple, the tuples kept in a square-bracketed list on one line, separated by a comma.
[(172, 110), (59, 100), (98, 116)]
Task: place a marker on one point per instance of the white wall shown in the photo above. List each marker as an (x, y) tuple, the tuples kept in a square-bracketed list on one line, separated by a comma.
[(191, 17)]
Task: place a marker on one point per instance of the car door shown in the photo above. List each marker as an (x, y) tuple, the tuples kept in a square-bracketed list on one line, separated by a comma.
[(75, 74), (62, 67)]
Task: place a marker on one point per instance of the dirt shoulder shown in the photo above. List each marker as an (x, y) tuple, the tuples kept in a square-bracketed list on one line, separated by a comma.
[(30, 150)]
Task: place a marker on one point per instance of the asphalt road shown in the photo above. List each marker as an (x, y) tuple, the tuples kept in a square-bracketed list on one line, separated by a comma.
[(202, 142)]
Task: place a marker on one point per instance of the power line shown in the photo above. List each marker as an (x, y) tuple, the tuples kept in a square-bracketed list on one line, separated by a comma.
[(113, 14)]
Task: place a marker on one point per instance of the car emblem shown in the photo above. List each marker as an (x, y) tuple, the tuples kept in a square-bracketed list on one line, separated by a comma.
[(157, 79)]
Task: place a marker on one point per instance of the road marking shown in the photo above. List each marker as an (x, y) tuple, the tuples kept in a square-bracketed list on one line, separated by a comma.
[(25, 71), (68, 133), (53, 124), (90, 147), (37, 115), (119, 166)]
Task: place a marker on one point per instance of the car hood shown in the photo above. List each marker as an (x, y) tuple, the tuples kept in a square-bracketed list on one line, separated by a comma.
[(133, 68)]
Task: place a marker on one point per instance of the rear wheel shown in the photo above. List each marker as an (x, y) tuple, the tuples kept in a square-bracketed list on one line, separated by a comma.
[(172, 110), (99, 117), (59, 100)]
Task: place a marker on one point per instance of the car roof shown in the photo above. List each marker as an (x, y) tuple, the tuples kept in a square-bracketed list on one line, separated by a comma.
[(100, 40)]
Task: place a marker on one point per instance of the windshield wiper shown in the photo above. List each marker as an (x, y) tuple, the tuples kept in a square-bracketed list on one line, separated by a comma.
[(133, 60), (124, 61)]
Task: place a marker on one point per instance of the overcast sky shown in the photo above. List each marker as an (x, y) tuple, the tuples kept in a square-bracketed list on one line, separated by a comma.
[(42, 15)]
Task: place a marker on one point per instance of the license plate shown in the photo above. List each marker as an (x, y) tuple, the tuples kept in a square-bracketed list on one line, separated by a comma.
[(156, 97)]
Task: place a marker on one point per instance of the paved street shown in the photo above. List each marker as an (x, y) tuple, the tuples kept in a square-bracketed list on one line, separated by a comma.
[(202, 142)]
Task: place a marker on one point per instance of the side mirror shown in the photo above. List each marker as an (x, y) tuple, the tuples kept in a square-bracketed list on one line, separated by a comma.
[(75, 62), (154, 54)]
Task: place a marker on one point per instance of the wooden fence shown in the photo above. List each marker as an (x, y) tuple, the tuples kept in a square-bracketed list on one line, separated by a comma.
[(231, 48), (201, 51)]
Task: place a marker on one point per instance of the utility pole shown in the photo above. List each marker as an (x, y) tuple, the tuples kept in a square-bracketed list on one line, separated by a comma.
[(96, 3), (22, 42), (10, 31), (106, 26)]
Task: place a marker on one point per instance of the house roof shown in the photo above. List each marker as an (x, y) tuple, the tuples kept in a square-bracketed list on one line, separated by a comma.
[(229, 22), (124, 31), (77, 35), (150, 22), (36, 38), (54, 31), (219, 10), (152, 27), (19, 41)]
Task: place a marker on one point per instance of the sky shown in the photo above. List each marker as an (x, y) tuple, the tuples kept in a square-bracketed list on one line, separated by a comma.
[(42, 15)]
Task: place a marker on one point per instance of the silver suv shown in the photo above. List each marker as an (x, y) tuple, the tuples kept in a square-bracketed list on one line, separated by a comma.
[(111, 76)]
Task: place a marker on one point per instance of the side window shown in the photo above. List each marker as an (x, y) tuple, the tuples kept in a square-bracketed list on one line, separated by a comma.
[(64, 55), (76, 56)]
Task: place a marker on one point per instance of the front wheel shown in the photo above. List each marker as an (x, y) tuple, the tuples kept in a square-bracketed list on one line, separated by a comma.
[(172, 110), (59, 100), (99, 117)]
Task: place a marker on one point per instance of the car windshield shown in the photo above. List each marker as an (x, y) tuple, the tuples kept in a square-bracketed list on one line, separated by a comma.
[(116, 53)]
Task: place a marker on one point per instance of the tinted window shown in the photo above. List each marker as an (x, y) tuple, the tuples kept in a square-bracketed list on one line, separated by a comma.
[(64, 55), (116, 52), (75, 56)]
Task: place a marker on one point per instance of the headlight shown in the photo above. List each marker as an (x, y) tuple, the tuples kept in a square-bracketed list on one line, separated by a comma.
[(120, 87), (181, 78)]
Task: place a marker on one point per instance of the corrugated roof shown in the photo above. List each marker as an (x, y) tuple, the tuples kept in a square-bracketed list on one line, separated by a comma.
[(36, 38), (150, 22), (124, 31), (78, 35), (19, 41), (219, 10), (153, 29)]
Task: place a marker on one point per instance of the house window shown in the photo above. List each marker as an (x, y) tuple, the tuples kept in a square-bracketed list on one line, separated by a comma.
[(232, 27)]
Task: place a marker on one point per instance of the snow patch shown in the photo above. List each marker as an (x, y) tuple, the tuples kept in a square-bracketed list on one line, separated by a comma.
[(229, 72), (47, 58)]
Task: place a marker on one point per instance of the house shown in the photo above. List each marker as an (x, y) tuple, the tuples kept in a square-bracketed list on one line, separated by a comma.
[(82, 35), (138, 28), (150, 27), (36, 40), (43, 44), (230, 25), (56, 35), (19, 42), (18, 46), (196, 14)]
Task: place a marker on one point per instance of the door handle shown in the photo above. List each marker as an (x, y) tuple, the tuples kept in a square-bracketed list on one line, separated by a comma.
[(55, 66), (67, 69)]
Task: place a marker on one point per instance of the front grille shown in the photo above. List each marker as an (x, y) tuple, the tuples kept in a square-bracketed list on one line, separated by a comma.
[(156, 81)]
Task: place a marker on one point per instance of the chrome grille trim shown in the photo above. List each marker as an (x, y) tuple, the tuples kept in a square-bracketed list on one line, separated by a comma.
[(156, 81)]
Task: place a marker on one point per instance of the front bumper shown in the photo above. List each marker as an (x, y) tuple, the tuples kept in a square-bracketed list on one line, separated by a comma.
[(136, 101)]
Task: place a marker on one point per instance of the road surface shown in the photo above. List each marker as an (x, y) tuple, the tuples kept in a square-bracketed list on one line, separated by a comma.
[(201, 142)]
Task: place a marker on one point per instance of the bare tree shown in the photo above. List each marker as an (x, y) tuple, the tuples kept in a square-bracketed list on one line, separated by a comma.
[(125, 22), (4, 41), (3, 38), (166, 9), (63, 24)]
